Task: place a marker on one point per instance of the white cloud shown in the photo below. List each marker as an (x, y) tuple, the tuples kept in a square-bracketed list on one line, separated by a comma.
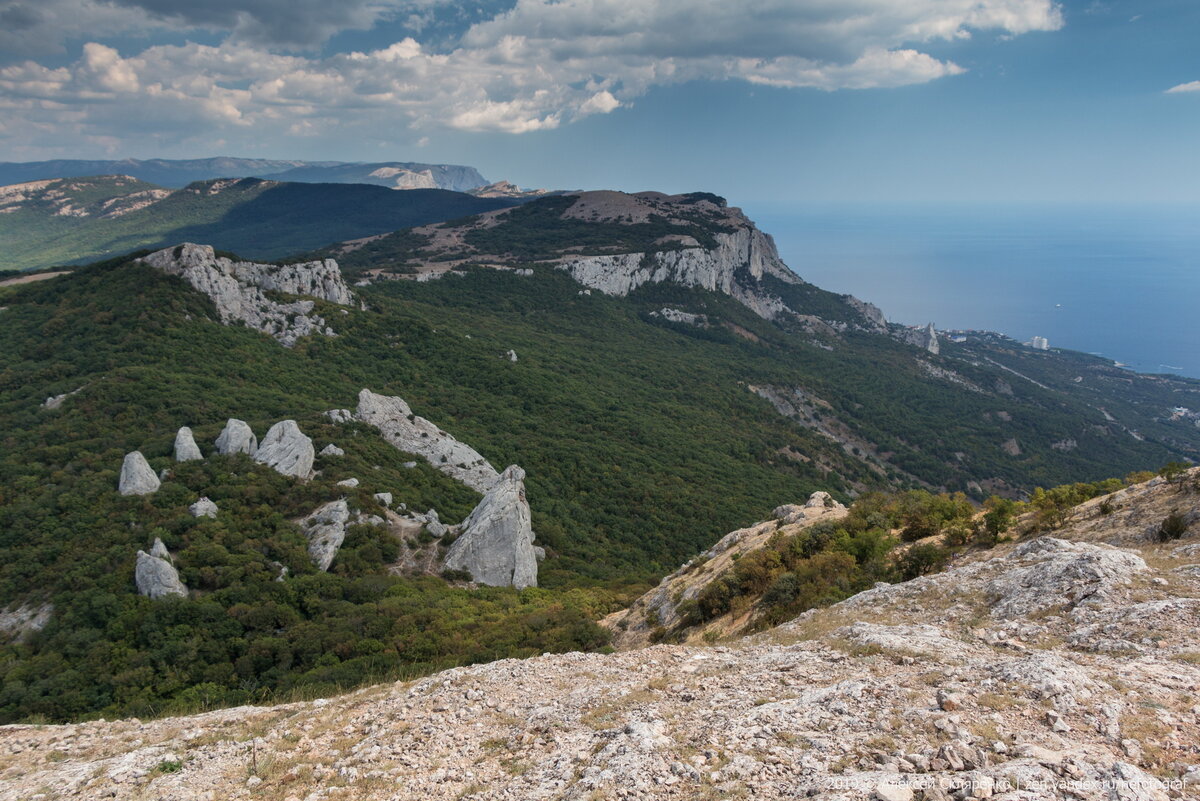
[(539, 65), (1192, 86)]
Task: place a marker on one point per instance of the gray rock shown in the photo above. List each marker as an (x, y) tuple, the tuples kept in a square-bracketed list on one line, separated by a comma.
[(331, 450), (186, 449), (921, 337), (159, 551), (287, 450), (56, 401), (156, 577), (239, 289), (433, 525), (325, 530), (340, 415), (511, 355), (412, 434), (348, 482), (496, 540), (136, 476), (236, 437), (203, 508), (384, 497), (822, 500)]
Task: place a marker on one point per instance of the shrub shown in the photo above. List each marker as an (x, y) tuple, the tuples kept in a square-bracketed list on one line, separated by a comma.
[(922, 559), (1173, 527)]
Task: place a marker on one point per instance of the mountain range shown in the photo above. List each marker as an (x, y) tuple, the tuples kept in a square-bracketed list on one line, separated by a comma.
[(178, 173), (582, 391)]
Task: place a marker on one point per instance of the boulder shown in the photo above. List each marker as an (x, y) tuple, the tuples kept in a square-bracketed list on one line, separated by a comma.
[(236, 437), (384, 497), (348, 482), (331, 450), (287, 450), (203, 508), (136, 476), (412, 434), (156, 577), (495, 544), (511, 355), (340, 415), (822, 500), (325, 530), (186, 449), (433, 525)]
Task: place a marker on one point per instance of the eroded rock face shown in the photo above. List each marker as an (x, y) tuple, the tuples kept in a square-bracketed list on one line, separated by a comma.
[(236, 437), (926, 338), (136, 476), (155, 576), (495, 543), (238, 289), (325, 530), (413, 434), (186, 449), (287, 450), (733, 267)]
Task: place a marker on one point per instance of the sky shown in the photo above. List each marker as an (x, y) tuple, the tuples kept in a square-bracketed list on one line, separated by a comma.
[(763, 101)]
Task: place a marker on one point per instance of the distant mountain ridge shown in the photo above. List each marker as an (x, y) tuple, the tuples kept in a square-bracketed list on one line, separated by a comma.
[(176, 173), (73, 220)]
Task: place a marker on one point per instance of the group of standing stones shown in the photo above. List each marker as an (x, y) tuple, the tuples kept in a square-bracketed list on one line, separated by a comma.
[(285, 449)]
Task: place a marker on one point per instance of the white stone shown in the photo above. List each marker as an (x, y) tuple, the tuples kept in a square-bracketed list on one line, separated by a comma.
[(155, 577), (495, 543), (348, 482), (136, 476), (325, 530), (331, 450), (203, 508), (384, 497), (236, 437), (413, 434), (186, 449), (287, 450)]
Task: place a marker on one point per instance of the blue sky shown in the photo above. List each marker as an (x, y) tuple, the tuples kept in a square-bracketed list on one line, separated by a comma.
[(766, 101)]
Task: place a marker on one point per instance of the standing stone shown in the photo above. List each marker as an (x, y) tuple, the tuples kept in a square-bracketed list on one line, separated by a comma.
[(236, 437), (186, 449), (287, 450), (136, 476), (156, 577), (325, 530), (159, 551), (496, 541), (203, 508)]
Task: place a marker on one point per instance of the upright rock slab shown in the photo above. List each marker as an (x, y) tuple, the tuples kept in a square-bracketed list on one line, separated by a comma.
[(136, 476), (325, 530), (496, 541), (155, 576), (236, 437), (287, 450), (413, 434), (238, 289), (186, 449), (203, 508)]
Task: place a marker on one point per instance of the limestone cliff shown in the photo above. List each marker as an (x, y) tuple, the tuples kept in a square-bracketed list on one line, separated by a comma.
[(239, 289), (495, 542)]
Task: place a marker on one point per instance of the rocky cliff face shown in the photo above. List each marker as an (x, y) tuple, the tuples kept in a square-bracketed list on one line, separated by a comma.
[(495, 542), (1052, 669), (413, 434), (733, 267), (238, 289), (926, 338)]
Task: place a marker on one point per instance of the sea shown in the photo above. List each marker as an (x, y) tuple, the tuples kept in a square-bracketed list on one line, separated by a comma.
[(1122, 282)]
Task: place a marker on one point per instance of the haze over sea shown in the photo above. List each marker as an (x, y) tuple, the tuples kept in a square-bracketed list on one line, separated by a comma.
[(1121, 282)]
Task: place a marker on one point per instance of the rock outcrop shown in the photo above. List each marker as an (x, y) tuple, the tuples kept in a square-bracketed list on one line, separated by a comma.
[(155, 576), (413, 434), (136, 476), (495, 542), (926, 338), (203, 508), (287, 450), (239, 289), (186, 449), (325, 530), (331, 450), (734, 267), (236, 437)]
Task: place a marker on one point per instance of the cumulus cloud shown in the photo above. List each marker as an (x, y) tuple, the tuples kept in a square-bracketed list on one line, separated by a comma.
[(534, 66), (1192, 86)]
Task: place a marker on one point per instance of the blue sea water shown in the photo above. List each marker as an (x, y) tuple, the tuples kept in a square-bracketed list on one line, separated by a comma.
[(1122, 282)]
